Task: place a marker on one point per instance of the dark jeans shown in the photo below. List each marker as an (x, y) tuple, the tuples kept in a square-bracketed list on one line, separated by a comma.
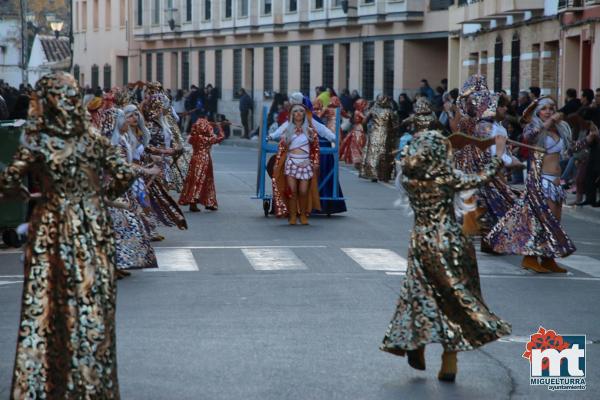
[(592, 183), (245, 115)]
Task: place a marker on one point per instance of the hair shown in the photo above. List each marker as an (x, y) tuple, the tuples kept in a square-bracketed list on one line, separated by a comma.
[(503, 101), (132, 109), (425, 82), (572, 93), (116, 134), (536, 91), (563, 129), (179, 94), (588, 94), (291, 128), (454, 93)]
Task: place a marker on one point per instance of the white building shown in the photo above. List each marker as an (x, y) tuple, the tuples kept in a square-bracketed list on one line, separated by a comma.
[(48, 54), (10, 51)]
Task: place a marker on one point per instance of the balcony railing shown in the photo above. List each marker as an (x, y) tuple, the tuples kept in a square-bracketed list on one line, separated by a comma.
[(570, 5)]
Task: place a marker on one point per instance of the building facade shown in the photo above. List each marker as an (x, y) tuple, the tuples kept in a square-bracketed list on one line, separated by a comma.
[(518, 44), (104, 53), (268, 46)]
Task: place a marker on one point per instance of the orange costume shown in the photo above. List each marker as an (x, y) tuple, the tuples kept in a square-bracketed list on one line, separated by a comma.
[(199, 186), (351, 149)]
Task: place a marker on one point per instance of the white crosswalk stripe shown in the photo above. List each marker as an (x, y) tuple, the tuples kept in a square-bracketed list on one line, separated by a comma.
[(174, 260), (497, 265), (3, 283), (273, 259), (588, 265), (377, 259)]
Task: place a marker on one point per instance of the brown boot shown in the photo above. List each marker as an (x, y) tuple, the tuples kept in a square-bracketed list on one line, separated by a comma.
[(449, 368), (551, 265), (293, 210), (303, 209), (531, 263), (416, 358)]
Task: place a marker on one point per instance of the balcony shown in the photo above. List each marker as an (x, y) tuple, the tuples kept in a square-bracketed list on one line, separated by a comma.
[(484, 11), (570, 6)]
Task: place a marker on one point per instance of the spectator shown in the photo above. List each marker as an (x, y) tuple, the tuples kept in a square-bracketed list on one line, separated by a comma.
[(224, 124), (587, 98), (276, 106), (592, 173), (444, 83), (246, 107), (523, 101), (426, 90), (3, 109), (21, 107), (597, 99), (346, 101), (572, 103), (535, 92), (438, 100), (211, 100), (354, 96), (179, 106), (405, 107)]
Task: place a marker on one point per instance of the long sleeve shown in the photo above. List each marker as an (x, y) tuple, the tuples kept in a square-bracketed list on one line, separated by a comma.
[(12, 177), (530, 133), (122, 173), (324, 131), (461, 181), (277, 134)]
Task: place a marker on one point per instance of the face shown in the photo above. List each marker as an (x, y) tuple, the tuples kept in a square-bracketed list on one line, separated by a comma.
[(131, 119), (546, 112), (597, 98), (501, 112), (298, 115)]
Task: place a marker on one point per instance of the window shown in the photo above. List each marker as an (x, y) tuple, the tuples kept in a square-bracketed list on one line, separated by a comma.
[(243, 8), (107, 14), (159, 67), (268, 70), (202, 68), (188, 10), (95, 76), (369, 1), (318, 4), (175, 70), (122, 13), (185, 70), (498, 65), (76, 72), (305, 70), (83, 15), (149, 67), (156, 12), (76, 17), (293, 6), (207, 9), (237, 72), (125, 65), (328, 65), (388, 68), (219, 71), (337, 3), (368, 76), (107, 72), (515, 65), (483, 63), (140, 12), (347, 62), (95, 16), (267, 5), (228, 8), (283, 70)]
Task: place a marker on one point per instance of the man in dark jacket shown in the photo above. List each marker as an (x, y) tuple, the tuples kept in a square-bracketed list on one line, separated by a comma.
[(246, 107), (572, 103)]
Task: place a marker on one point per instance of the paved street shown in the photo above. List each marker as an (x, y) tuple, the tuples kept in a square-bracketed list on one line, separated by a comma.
[(247, 307)]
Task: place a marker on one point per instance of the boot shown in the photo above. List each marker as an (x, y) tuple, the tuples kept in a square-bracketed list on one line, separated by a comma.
[(416, 358), (303, 209), (551, 265), (449, 368), (531, 263), (194, 207), (293, 210)]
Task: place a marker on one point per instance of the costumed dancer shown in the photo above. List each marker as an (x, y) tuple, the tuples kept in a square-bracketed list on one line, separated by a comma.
[(66, 346), (133, 249), (199, 186), (326, 161), (532, 226), (440, 300), (351, 149), (382, 140), (108, 113), (180, 159), (295, 175)]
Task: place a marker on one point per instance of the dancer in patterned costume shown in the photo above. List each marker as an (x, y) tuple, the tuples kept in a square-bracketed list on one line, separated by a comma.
[(440, 299), (199, 186), (351, 149), (532, 226), (132, 241), (66, 345), (382, 140)]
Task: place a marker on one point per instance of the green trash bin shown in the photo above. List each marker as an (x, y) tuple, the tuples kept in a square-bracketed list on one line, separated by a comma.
[(12, 212)]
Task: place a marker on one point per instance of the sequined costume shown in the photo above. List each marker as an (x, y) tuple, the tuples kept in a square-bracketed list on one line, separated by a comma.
[(382, 140), (180, 162), (351, 149), (529, 228), (66, 345), (199, 186), (440, 299), (108, 114)]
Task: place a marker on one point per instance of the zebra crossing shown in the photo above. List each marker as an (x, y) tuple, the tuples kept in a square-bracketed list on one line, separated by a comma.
[(281, 258)]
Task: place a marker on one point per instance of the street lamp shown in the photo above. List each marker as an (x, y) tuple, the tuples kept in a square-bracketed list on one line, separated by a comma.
[(56, 27)]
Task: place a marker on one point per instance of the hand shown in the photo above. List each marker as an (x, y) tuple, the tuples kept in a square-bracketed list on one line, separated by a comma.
[(500, 145), (152, 171), (156, 159)]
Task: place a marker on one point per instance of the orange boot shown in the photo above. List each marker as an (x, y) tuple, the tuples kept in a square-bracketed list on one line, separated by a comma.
[(551, 265), (531, 263), (449, 367), (303, 209), (293, 210)]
